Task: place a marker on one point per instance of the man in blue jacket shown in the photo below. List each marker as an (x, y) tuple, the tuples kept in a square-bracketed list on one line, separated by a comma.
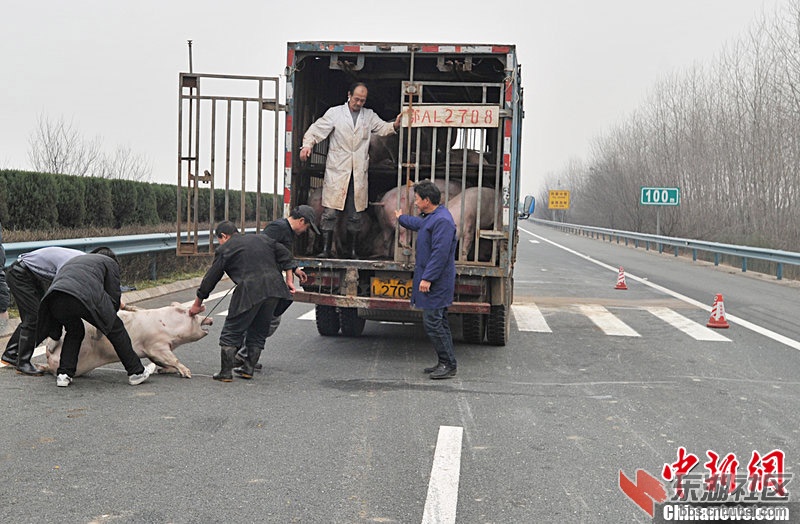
[(435, 272)]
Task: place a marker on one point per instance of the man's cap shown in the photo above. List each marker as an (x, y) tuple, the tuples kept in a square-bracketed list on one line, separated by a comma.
[(307, 212)]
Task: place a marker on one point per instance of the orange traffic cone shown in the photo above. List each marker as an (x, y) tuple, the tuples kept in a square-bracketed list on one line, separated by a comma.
[(717, 319), (621, 280)]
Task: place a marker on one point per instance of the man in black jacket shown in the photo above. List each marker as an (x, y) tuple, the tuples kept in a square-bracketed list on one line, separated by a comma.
[(87, 288), (254, 264), (5, 296), (284, 230)]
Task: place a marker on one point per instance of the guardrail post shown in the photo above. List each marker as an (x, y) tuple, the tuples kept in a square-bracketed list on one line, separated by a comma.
[(716, 259), (153, 275), (694, 255), (744, 265), (676, 251), (780, 271)]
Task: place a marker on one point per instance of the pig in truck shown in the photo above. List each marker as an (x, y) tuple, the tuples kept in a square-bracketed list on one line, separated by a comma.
[(462, 126), (462, 120)]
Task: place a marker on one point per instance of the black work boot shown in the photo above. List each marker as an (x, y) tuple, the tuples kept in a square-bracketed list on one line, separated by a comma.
[(327, 243), (26, 348), (433, 368), (12, 350), (249, 365), (241, 358), (226, 354), (443, 370)]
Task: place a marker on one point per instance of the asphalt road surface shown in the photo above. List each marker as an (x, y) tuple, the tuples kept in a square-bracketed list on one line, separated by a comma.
[(593, 381)]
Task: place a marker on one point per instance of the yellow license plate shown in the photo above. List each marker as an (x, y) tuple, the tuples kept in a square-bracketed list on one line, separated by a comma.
[(391, 288)]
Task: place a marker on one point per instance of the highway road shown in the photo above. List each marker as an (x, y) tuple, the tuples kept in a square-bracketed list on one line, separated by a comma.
[(594, 381)]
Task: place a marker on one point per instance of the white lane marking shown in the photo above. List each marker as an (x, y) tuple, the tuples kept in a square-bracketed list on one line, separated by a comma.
[(606, 321), (533, 241), (529, 318), (442, 500), (311, 315), (730, 318), (688, 326)]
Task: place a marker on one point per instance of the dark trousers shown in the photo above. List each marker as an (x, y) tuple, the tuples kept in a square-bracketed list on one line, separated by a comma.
[(250, 327), (27, 289), (70, 313), (330, 215), (438, 329)]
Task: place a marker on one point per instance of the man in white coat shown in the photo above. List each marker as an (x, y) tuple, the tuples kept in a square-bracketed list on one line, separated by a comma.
[(344, 188)]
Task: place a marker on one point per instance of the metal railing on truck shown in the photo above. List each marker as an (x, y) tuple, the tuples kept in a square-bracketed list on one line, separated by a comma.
[(778, 257)]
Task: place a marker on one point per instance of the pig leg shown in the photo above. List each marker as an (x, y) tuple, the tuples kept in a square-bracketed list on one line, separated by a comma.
[(167, 361)]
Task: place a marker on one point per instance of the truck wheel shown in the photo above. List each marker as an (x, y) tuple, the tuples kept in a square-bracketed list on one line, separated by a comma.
[(473, 328), (352, 324), (498, 326), (327, 320)]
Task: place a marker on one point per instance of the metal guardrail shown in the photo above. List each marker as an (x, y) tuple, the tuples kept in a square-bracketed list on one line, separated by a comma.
[(744, 252), (120, 245)]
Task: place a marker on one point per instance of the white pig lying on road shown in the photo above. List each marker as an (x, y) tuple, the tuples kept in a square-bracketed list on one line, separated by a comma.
[(155, 333)]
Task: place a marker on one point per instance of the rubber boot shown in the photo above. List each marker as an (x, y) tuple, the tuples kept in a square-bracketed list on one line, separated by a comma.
[(24, 366), (327, 242), (241, 358), (351, 245), (226, 354), (12, 350), (249, 365)]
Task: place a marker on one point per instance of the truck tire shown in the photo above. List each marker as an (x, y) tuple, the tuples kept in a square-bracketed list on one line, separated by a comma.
[(498, 326), (327, 320), (473, 328), (352, 324)]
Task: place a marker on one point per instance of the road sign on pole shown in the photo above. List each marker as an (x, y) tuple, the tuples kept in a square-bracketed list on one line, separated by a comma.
[(660, 196), (558, 199)]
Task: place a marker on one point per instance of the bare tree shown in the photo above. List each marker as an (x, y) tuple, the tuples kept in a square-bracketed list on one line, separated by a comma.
[(58, 147), (124, 164)]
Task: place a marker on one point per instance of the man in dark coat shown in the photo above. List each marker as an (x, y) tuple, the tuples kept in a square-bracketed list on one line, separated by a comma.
[(5, 297), (284, 230), (87, 288), (435, 272), (29, 278), (254, 264)]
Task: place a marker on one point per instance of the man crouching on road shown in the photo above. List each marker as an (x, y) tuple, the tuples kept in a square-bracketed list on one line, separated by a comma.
[(251, 262)]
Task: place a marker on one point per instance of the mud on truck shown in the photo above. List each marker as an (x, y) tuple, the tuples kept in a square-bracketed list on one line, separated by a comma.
[(462, 120)]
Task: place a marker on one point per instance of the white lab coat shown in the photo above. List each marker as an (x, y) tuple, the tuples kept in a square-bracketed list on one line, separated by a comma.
[(348, 152)]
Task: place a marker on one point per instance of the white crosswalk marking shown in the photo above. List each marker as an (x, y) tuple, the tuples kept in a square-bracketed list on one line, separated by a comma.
[(529, 318), (690, 327), (311, 315), (606, 321)]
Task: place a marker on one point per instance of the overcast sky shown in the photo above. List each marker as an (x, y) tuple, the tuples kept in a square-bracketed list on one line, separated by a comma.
[(111, 67)]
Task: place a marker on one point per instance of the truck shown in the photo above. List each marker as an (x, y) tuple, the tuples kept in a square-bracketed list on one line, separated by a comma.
[(462, 107)]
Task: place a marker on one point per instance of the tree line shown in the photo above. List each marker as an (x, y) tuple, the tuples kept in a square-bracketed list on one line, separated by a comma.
[(726, 133), (43, 201)]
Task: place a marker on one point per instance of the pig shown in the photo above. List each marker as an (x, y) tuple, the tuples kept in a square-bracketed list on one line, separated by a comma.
[(383, 150), (468, 201), (315, 201), (155, 333), (388, 220), (363, 249)]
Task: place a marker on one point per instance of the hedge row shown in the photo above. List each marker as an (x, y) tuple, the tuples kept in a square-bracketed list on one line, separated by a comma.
[(30, 201)]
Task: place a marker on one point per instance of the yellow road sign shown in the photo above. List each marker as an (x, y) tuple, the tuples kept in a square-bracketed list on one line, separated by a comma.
[(558, 199)]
